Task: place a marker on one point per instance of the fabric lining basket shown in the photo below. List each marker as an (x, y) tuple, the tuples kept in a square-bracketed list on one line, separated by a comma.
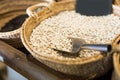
[(85, 68), (8, 12)]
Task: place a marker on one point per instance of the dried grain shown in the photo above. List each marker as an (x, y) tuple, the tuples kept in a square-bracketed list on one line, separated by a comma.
[(53, 33)]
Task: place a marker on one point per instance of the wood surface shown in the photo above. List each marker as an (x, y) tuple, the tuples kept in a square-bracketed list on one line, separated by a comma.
[(19, 62)]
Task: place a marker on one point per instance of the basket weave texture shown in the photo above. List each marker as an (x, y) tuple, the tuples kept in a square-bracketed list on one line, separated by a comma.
[(10, 10), (116, 60), (86, 68), (117, 2)]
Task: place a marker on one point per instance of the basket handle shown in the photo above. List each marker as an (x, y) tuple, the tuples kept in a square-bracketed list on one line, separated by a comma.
[(33, 10)]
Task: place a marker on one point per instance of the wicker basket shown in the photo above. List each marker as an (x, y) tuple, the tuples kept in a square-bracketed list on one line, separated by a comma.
[(117, 2), (116, 60), (8, 12), (86, 68), (60, 0)]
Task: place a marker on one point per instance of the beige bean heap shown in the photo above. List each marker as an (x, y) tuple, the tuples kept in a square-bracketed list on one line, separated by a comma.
[(54, 32)]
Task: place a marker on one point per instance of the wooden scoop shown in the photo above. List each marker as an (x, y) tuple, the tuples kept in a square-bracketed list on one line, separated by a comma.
[(94, 7)]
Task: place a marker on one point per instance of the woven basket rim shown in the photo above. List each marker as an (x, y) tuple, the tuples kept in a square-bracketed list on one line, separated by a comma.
[(116, 57), (38, 56), (10, 34)]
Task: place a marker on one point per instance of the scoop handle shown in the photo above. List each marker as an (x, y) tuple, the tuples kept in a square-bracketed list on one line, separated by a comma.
[(98, 47)]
